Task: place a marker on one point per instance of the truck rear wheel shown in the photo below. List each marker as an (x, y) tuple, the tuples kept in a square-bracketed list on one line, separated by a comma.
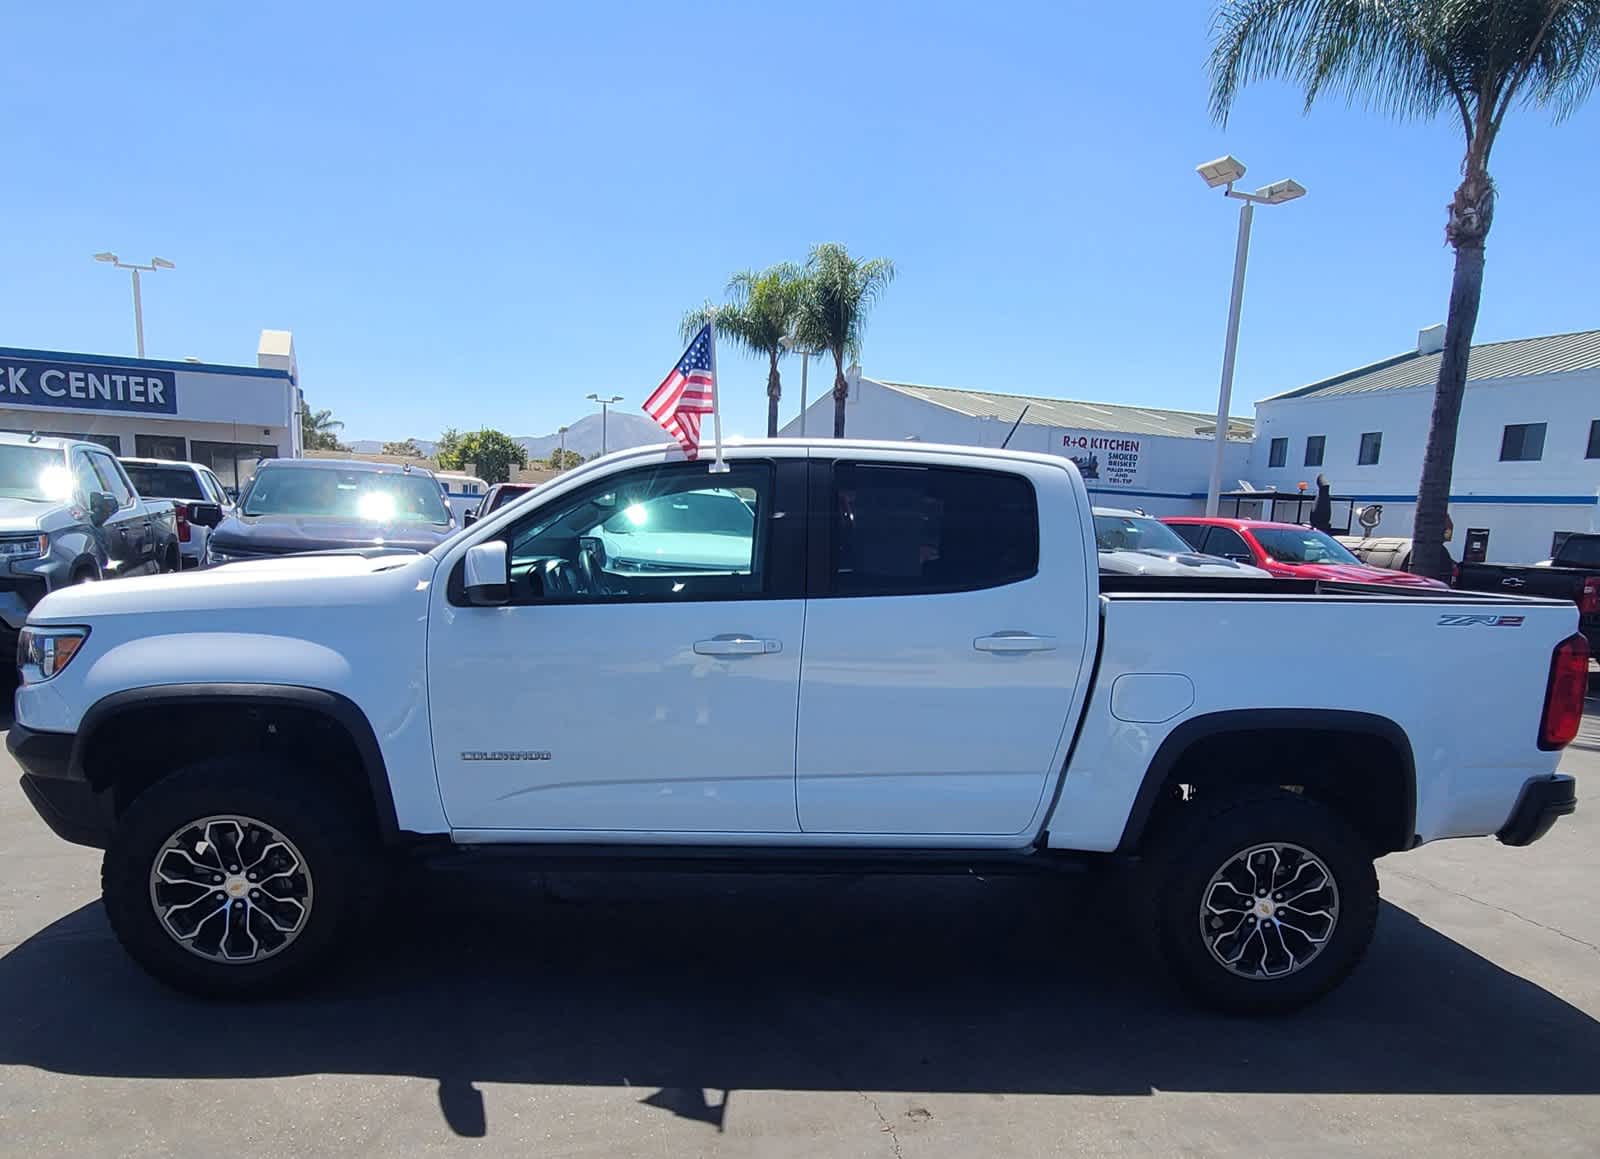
[(1261, 901), (238, 877)]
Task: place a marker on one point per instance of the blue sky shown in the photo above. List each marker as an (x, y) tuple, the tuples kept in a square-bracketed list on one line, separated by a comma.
[(477, 215)]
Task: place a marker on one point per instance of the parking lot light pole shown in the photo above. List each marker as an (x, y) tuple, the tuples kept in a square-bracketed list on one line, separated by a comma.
[(1222, 173), (138, 305), (605, 410), (792, 345)]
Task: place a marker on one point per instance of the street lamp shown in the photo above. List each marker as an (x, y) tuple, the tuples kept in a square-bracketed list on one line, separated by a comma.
[(138, 306), (792, 344), (605, 408), (1221, 174)]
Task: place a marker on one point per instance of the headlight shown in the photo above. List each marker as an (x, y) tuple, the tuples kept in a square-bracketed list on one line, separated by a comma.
[(43, 652), (30, 548)]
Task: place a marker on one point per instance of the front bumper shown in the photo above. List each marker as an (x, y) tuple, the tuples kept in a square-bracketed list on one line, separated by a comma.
[(60, 794), (1541, 803)]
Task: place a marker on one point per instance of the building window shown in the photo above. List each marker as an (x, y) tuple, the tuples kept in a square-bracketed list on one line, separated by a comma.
[(233, 463), (1314, 448), (1594, 441), (1371, 448), (1523, 443), (160, 447), (1278, 453)]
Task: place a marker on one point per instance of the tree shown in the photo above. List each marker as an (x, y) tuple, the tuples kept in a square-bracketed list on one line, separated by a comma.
[(447, 451), (319, 430), (758, 319), (491, 454), (839, 293), (1472, 59), (563, 460), (407, 447)]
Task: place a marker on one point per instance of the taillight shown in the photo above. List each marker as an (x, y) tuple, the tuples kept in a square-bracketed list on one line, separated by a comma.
[(1589, 602), (1563, 696), (181, 510)]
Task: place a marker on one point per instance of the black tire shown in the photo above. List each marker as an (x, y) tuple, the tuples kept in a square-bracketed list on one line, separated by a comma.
[(326, 826), (170, 560), (86, 574), (1198, 840)]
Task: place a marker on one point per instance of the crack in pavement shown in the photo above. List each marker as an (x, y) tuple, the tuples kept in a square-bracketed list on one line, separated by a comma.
[(894, 1139), (1491, 905)]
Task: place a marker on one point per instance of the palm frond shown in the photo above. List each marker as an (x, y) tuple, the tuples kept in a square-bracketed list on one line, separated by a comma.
[(840, 292)]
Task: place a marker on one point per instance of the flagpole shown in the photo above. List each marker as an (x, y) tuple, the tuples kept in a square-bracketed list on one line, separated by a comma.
[(717, 466)]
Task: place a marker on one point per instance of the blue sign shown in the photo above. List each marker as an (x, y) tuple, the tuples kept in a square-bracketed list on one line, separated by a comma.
[(87, 386)]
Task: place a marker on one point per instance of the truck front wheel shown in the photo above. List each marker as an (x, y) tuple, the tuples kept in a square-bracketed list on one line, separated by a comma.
[(1260, 901), (238, 876)]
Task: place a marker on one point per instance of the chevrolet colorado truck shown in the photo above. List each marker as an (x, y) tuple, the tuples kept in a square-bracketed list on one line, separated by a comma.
[(891, 656)]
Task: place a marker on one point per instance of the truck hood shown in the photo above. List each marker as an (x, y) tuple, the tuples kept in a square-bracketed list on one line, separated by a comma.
[(1351, 573), (1174, 564), (295, 581), (24, 515), (282, 534)]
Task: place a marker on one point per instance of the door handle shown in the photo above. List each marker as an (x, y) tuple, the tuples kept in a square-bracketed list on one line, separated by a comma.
[(736, 645), (1014, 642)]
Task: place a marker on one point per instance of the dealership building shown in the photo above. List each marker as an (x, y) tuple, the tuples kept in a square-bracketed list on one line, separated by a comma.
[(1130, 456), (1527, 464), (225, 417)]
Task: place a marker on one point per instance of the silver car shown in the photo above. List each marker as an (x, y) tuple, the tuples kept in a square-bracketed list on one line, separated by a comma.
[(1133, 543)]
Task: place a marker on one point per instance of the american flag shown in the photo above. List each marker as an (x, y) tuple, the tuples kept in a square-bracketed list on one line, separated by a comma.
[(687, 393)]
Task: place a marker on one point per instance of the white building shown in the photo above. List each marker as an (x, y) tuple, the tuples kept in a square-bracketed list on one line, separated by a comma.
[(225, 417), (1527, 464), (1130, 456)]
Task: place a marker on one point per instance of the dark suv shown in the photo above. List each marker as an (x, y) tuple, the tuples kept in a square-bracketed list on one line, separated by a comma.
[(297, 505)]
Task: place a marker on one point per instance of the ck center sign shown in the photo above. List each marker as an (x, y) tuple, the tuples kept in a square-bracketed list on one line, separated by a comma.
[(87, 386)]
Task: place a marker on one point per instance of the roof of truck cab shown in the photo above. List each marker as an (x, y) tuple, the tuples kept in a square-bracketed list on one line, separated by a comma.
[(48, 442), (1248, 524)]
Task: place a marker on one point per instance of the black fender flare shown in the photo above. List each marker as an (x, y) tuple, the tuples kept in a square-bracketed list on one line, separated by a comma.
[(1182, 738), (339, 709)]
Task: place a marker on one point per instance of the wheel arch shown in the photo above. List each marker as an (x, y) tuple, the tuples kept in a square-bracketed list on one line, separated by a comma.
[(1393, 830), (145, 704)]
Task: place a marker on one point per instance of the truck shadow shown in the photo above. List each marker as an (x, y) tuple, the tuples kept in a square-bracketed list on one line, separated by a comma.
[(684, 986)]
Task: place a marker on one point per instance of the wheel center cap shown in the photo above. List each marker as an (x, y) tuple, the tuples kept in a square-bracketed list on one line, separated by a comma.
[(236, 886), (1264, 907)]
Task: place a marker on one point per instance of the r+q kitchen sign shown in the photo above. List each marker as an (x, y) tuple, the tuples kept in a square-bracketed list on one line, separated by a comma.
[(86, 386), (1103, 458)]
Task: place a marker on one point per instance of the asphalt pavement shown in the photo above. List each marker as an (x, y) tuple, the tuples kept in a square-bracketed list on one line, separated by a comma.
[(885, 1017)]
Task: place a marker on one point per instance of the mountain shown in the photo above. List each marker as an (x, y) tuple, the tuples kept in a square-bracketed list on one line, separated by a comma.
[(622, 430)]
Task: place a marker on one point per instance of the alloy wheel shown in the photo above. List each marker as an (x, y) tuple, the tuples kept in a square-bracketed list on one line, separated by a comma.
[(231, 889), (1269, 911)]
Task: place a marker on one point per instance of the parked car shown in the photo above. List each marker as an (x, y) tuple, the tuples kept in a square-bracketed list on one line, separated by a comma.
[(68, 514), (498, 496), (184, 484), (1573, 573), (1287, 550), (913, 665), (1133, 543), (298, 505)]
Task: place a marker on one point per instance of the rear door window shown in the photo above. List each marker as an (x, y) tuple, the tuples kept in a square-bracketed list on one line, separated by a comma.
[(1229, 544), (903, 530)]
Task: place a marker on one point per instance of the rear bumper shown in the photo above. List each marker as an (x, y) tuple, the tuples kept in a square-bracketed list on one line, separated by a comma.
[(1542, 801), (61, 796)]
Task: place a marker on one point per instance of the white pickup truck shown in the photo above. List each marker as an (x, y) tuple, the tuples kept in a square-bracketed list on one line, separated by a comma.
[(896, 656)]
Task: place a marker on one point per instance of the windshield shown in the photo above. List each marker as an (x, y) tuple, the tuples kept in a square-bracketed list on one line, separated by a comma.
[(164, 482), (375, 496), (38, 473), (1301, 545), (1137, 533), (505, 493)]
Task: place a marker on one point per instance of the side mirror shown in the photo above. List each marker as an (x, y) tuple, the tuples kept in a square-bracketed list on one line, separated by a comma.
[(469, 519), (486, 575), (102, 506), (205, 514)]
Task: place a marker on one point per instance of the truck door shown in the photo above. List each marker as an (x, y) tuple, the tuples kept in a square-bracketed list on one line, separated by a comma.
[(643, 677), (129, 539), (946, 629)]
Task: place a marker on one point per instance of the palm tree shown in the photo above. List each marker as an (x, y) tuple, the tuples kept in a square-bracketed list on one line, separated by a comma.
[(758, 319), (840, 292), (319, 430), (1473, 59)]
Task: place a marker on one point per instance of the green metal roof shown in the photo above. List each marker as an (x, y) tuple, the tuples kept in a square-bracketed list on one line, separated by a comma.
[(1519, 358), (1061, 412)]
